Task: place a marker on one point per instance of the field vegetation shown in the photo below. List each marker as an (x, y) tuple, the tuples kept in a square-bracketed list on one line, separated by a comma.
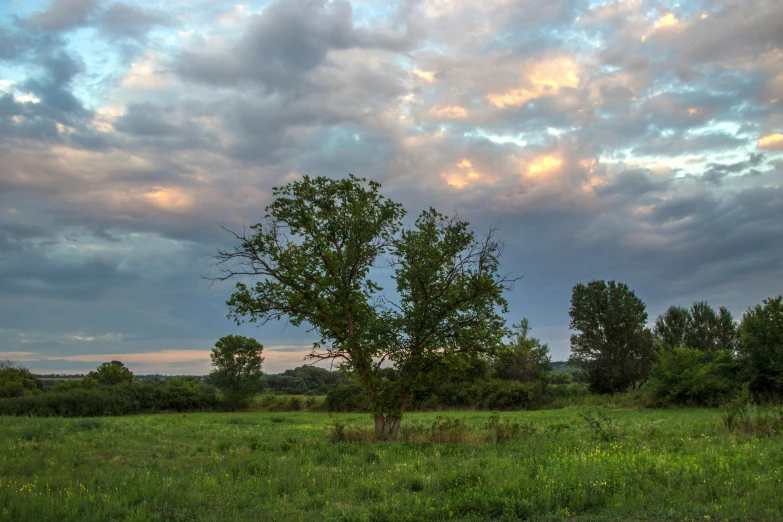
[(571, 464)]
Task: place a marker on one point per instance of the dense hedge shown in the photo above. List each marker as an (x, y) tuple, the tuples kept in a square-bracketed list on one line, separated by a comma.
[(176, 395), (485, 394), (691, 377)]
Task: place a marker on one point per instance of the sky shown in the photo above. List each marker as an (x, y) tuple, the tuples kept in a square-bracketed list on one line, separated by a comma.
[(636, 140)]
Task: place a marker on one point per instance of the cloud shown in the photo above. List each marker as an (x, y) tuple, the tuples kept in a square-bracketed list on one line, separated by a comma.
[(628, 140), (62, 15), (772, 141)]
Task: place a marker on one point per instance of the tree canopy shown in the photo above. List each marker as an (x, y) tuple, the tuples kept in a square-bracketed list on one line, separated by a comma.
[(237, 361), (613, 347), (761, 334), (112, 373), (313, 257)]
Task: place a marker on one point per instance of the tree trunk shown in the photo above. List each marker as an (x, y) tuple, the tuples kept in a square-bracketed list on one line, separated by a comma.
[(387, 428)]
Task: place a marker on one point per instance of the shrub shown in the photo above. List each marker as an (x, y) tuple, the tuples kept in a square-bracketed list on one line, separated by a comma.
[(500, 430), (692, 377), (508, 395), (339, 432), (16, 381), (348, 398), (123, 399)]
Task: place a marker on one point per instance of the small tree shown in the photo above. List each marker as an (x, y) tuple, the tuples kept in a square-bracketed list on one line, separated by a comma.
[(112, 373), (761, 346), (237, 362), (523, 358), (312, 260), (613, 346)]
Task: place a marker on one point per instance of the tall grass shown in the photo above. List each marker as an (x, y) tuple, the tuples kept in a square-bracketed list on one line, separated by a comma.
[(543, 465)]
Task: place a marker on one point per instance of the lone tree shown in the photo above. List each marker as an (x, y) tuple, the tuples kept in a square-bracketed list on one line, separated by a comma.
[(112, 373), (613, 346), (237, 362), (312, 260)]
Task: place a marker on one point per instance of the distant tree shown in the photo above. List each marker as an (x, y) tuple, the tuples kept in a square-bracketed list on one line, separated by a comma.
[(710, 330), (16, 381), (86, 383), (237, 362), (304, 380), (672, 326), (112, 373), (613, 347), (761, 346), (524, 358), (312, 259), (726, 337)]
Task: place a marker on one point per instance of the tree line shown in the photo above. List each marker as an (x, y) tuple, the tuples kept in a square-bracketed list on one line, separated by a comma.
[(696, 355)]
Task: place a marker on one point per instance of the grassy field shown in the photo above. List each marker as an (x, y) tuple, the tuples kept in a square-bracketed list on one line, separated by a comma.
[(638, 465)]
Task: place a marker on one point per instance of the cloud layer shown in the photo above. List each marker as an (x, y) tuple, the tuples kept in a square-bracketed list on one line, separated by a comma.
[(633, 140)]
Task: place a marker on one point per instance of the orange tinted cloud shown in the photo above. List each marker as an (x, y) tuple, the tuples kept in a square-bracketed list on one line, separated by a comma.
[(667, 20), (427, 76), (772, 141), (170, 199), (465, 176), (450, 111), (545, 78), (543, 165)]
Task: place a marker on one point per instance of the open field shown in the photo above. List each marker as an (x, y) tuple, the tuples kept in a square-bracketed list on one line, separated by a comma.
[(640, 465)]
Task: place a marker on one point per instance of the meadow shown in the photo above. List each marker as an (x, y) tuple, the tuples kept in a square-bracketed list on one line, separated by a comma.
[(568, 464)]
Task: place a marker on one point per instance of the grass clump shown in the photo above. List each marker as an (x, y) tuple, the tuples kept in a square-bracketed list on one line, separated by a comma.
[(601, 424), (743, 416)]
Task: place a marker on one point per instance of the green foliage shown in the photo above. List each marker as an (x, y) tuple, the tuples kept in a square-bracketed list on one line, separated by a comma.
[(111, 374), (672, 326), (701, 327), (86, 383), (504, 430), (119, 399), (744, 417), (613, 347), (237, 361), (761, 345), (710, 330), (524, 358), (304, 380), (688, 376), (348, 398), (16, 381), (312, 259)]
